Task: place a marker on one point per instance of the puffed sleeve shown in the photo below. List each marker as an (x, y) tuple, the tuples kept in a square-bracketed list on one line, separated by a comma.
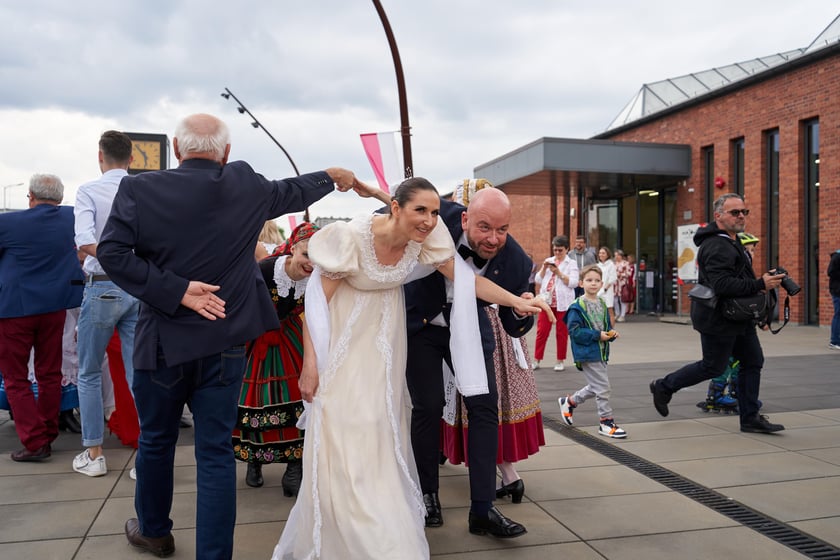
[(438, 246), (334, 249)]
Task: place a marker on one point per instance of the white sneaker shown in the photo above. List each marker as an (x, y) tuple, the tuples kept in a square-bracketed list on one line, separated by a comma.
[(834, 346), (83, 463), (619, 319), (537, 365), (559, 366), (132, 474), (610, 429), (566, 409)]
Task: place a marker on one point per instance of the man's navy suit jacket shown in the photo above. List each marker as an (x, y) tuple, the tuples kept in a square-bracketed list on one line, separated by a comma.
[(200, 222), (510, 269), (39, 269)]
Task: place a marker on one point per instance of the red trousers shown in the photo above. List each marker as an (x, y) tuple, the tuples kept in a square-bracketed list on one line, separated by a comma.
[(544, 329), (36, 421)]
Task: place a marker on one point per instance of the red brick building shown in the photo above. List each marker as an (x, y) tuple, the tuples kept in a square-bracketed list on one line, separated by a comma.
[(768, 129)]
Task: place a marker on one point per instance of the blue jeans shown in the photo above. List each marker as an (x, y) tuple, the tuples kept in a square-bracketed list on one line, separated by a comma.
[(835, 322), (210, 385), (744, 347), (104, 308)]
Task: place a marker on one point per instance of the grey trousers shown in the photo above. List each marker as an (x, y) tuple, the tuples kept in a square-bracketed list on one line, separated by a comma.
[(597, 385)]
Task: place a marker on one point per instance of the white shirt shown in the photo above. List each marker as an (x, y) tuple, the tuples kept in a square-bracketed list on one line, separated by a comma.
[(564, 292), (450, 286), (92, 208)]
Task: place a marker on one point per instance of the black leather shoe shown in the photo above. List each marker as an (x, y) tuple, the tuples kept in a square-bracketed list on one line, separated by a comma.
[(254, 477), (660, 398), (159, 546), (515, 490), (26, 456), (434, 515), (292, 478), (496, 525), (759, 424), (67, 421)]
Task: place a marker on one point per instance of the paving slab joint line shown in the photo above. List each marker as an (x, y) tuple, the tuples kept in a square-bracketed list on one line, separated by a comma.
[(772, 528)]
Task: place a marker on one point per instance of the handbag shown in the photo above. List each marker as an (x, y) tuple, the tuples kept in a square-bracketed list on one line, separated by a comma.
[(628, 294), (703, 295), (746, 308)]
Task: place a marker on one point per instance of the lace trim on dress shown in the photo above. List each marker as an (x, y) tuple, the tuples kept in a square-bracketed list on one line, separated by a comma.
[(285, 285), (378, 271), (382, 340)]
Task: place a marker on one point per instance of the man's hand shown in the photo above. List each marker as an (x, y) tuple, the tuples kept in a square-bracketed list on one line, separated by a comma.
[(344, 179), (772, 281), (200, 298), (532, 306)]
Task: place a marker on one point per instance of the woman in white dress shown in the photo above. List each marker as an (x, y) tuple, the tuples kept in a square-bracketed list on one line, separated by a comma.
[(360, 498)]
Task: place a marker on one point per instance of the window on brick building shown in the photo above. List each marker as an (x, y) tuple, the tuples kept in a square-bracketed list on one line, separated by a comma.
[(811, 192), (707, 156), (737, 159), (771, 182)]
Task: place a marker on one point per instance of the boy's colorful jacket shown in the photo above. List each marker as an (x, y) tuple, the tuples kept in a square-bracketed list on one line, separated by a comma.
[(586, 339)]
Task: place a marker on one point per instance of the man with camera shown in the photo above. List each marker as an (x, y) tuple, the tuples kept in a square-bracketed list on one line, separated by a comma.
[(725, 267)]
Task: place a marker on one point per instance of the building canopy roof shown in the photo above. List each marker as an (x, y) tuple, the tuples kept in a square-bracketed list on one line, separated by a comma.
[(657, 96)]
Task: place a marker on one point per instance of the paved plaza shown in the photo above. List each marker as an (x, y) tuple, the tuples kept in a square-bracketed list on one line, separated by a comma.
[(586, 497)]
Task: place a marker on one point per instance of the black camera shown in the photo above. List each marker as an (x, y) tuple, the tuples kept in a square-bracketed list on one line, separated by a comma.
[(791, 287)]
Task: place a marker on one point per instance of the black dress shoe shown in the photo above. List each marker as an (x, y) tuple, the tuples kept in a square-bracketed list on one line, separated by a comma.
[(496, 525), (515, 490), (661, 398), (26, 456), (434, 515), (759, 424), (292, 478), (254, 477), (159, 546), (67, 421)]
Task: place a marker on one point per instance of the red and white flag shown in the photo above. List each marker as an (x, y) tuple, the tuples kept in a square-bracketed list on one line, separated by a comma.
[(381, 150)]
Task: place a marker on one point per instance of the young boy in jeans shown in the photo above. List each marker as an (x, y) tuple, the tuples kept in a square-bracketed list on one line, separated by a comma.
[(591, 333)]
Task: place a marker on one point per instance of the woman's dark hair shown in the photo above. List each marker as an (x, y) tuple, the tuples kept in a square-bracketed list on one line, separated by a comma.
[(560, 241), (406, 190)]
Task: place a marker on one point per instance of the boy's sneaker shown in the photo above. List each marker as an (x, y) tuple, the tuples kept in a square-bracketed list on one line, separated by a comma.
[(608, 428), (834, 346), (83, 463), (566, 409), (559, 366)]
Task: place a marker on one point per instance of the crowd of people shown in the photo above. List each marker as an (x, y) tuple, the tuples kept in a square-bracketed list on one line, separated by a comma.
[(311, 351)]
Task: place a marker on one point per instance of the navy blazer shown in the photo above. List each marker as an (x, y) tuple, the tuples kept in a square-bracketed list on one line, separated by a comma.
[(200, 221), (510, 269), (39, 269)]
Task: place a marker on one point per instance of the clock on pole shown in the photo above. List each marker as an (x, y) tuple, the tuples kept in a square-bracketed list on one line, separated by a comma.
[(150, 152)]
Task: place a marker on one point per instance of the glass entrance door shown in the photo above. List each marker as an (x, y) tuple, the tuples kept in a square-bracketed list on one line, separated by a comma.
[(656, 255)]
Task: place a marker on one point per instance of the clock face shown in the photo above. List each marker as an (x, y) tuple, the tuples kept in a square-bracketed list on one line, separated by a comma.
[(146, 154)]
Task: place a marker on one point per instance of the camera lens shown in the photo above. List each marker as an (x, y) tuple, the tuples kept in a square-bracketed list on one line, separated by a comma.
[(790, 286)]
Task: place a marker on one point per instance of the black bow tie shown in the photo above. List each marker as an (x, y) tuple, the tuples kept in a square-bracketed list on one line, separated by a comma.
[(467, 253)]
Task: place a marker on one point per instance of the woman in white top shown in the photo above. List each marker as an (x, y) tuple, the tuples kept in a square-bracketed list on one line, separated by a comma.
[(558, 278), (610, 279)]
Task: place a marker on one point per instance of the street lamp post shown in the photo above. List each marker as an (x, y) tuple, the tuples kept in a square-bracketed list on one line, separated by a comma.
[(5, 188), (405, 129), (257, 124)]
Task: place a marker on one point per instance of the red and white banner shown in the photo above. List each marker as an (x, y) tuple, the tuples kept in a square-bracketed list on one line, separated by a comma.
[(381, 150)]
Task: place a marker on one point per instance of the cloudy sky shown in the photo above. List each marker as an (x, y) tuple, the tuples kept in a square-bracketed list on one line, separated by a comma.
[(484, 77)]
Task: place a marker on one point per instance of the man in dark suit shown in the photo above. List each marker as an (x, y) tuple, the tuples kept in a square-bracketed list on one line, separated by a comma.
[(482, 229), (182, 241), (40, 278)]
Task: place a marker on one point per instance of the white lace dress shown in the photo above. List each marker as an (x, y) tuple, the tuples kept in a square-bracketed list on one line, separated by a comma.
[(360, 497)]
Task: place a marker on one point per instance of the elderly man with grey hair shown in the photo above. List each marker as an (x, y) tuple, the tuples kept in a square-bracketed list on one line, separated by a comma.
[(41, 279)]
